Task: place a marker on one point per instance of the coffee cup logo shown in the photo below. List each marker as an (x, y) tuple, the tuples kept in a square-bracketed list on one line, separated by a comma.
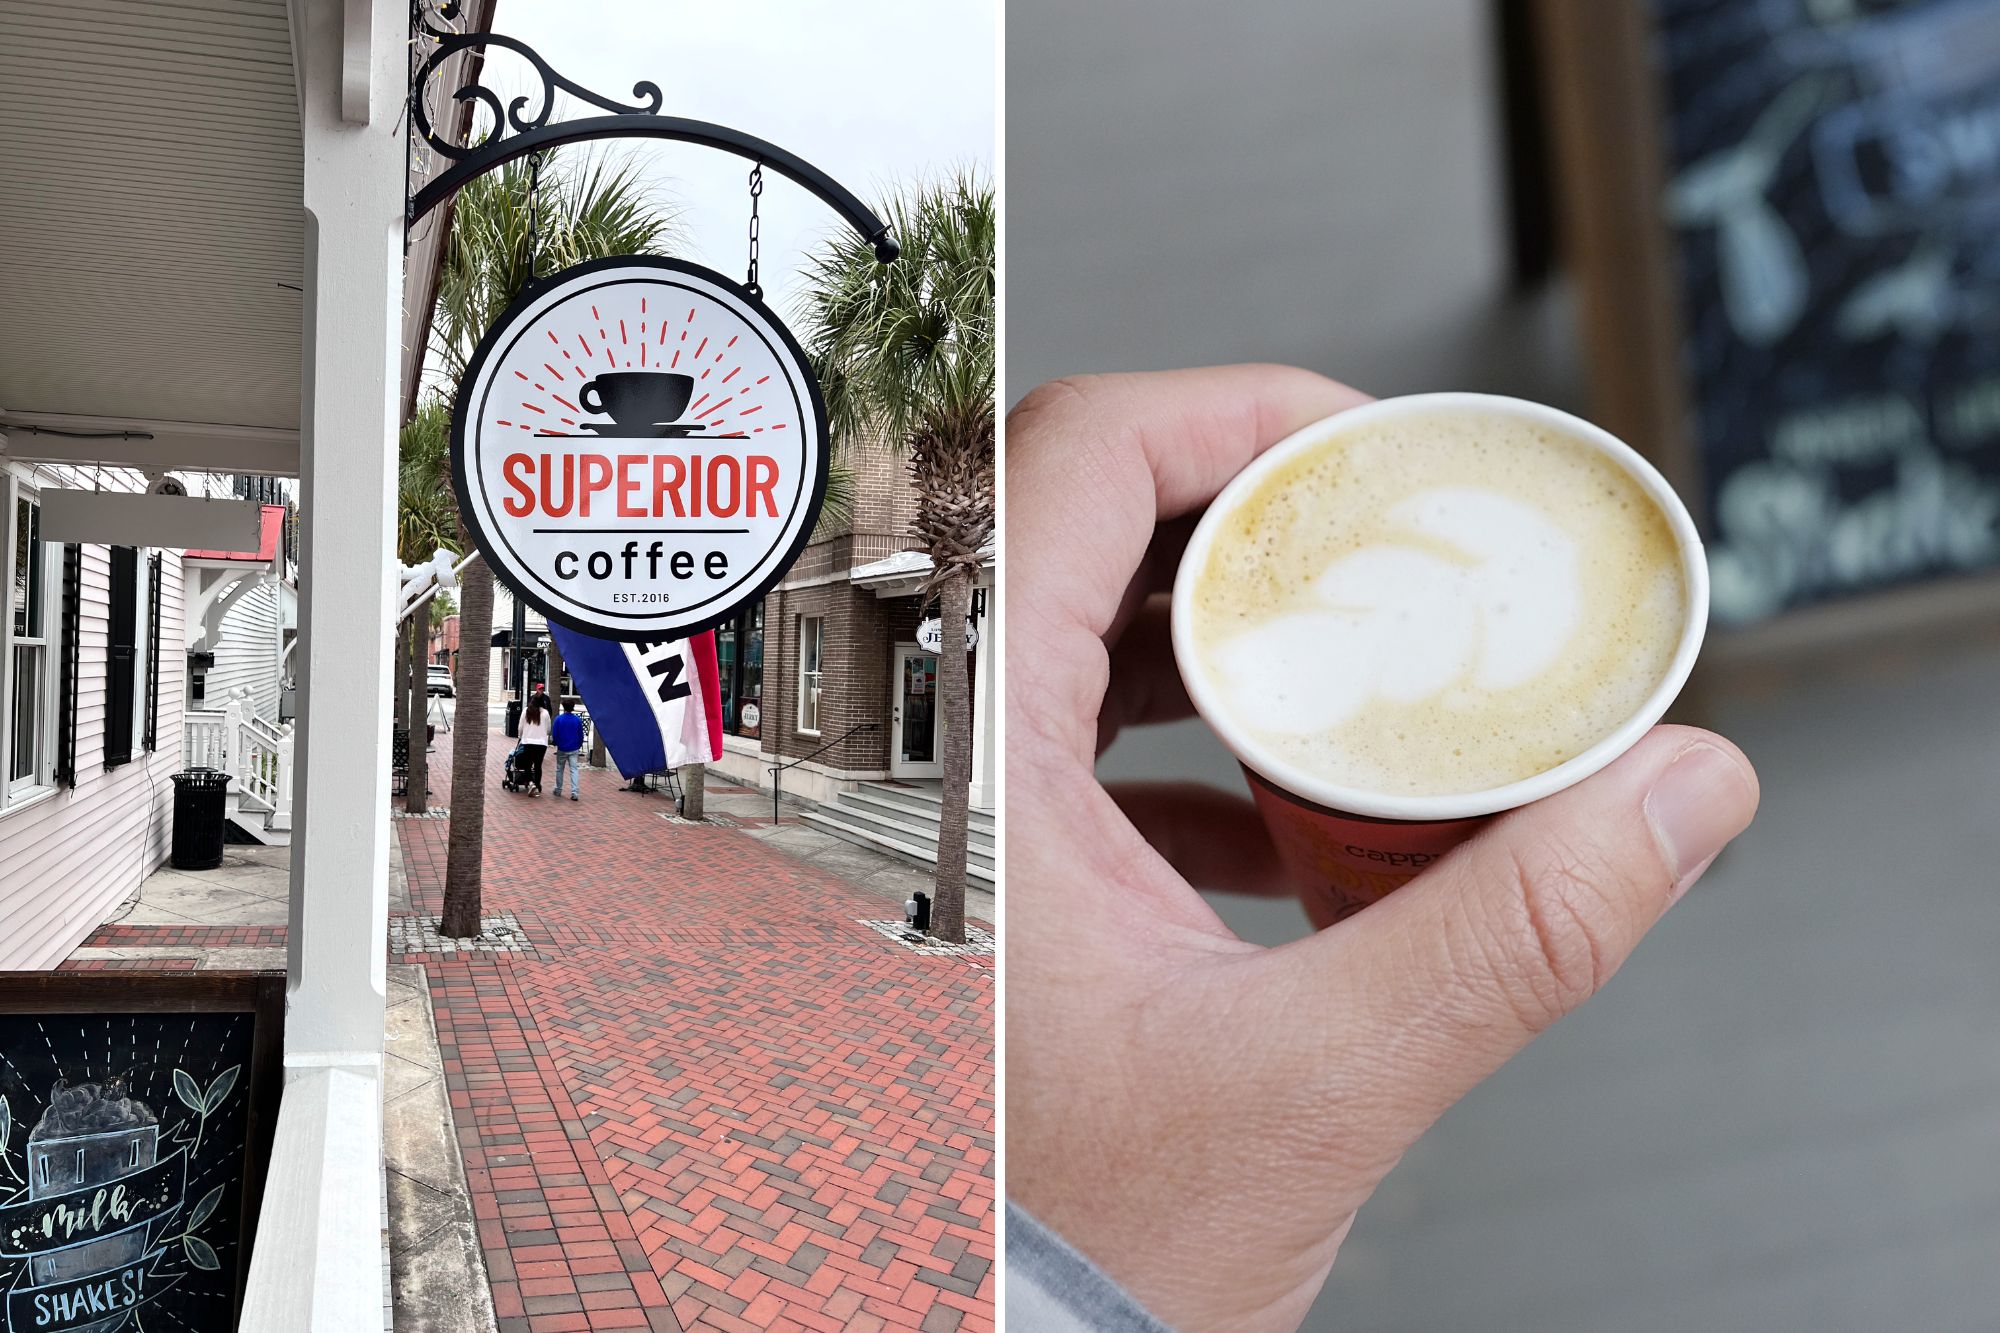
[(639, 402), (639, 448)]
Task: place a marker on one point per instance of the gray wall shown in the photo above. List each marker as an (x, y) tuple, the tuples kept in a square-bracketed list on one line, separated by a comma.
[(1785, 1113), (1315, 183)]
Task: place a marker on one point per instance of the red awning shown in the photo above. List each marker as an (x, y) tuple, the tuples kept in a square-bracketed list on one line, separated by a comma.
[(272, 528)]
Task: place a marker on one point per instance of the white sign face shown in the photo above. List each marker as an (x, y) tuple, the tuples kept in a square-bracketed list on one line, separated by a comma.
[(122, 518), (930, 634), (640, 448)]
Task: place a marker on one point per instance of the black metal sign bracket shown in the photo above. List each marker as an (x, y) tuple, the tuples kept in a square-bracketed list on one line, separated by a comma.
[(523, 126)]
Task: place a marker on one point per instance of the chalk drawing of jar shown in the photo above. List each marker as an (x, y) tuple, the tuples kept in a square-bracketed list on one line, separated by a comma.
[(1763, 273), (90, 1135)]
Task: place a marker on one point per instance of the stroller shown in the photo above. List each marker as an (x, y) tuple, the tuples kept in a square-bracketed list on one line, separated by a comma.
[(511, 776)]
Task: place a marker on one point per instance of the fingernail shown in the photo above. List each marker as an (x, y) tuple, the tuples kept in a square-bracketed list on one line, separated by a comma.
[(1696, 807)]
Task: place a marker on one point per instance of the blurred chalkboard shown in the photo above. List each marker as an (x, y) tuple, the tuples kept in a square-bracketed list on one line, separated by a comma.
[(1823, 178), (1834, 187), (136, 1113)]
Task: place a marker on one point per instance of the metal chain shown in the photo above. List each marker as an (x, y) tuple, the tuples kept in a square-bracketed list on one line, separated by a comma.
[(756, 227), (534, 210)]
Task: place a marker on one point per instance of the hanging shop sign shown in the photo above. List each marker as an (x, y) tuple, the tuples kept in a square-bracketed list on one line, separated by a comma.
[(121, 518), (930, 634), (640, 448)]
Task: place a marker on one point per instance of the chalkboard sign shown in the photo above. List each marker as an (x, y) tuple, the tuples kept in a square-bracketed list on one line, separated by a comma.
[(136, 1113), (1789, 207)]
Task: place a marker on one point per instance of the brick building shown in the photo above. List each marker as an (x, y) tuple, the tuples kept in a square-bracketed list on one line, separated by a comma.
[(826, 671)]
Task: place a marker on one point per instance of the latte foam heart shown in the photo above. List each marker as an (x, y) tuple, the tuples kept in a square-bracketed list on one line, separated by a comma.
[(1439, 604)]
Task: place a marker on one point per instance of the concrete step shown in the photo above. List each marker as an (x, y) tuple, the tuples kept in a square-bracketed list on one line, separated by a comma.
[(827, 819), (228, 958), (888, 822), (252, 824), (922, 799), (867, 804)]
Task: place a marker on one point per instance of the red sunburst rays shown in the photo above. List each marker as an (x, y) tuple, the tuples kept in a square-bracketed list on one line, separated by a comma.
[(727, 410)]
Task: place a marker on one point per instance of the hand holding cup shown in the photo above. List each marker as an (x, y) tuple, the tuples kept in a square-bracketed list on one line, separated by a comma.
[(1200, 1116)]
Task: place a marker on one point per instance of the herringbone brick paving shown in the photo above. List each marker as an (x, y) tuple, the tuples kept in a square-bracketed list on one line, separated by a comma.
[(709, 1098)]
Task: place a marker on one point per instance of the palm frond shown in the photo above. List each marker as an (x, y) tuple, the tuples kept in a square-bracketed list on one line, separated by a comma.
[(905, 351), (836, 514), (426, 516), (589, 207)]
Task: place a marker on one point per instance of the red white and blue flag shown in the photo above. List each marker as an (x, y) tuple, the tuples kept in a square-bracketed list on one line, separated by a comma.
[(658, 704)]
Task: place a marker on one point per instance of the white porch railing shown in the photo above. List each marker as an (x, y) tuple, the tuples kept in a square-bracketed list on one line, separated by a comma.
[(255, 754), (204, 740)]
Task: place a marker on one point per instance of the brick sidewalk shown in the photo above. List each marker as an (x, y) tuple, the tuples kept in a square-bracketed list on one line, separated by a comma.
[(705, 1096)]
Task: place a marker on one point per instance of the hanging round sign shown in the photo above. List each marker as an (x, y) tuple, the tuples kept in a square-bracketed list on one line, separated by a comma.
[(640, 448), (930, 634)]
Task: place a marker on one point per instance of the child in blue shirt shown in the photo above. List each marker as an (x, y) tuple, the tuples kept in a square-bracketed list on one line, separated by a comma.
[(567, 735)]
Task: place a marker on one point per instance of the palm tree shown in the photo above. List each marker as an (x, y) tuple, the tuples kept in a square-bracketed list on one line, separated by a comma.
[(591, 212), (426, 521), (906, 351)]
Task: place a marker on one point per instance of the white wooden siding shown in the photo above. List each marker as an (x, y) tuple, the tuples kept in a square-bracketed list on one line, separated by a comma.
[(246, 653), (68, 860)]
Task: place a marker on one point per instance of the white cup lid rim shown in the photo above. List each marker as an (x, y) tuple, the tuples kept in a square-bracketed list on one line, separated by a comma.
[(1461, 805)]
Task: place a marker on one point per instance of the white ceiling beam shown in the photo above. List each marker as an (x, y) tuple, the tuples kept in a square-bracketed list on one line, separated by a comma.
[(175, 446)]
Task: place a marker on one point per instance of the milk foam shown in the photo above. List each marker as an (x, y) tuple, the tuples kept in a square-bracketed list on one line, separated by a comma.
[(1440, 604)]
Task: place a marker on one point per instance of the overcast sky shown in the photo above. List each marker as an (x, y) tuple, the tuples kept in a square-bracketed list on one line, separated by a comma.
[(873, 92)]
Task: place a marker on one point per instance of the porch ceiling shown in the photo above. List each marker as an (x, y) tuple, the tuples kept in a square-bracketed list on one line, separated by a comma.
[(150, 188)]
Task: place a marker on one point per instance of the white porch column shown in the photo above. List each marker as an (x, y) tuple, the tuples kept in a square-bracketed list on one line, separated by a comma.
[(985, 794), (317, 1264), (354, 289)]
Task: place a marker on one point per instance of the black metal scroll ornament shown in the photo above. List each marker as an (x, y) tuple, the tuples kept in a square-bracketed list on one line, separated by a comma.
[(523, 126)]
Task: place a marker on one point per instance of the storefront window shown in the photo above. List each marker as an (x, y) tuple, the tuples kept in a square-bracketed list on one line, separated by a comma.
[(811, 644), (739, 649)]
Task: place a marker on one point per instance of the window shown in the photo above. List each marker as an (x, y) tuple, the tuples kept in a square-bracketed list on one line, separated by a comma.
[(121, 657), (739, 648), (152, 710), (812, 644), (69, 663), (24, 663), (263, 490)]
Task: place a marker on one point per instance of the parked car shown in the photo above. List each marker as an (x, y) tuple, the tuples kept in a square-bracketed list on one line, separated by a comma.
[(439, 682)]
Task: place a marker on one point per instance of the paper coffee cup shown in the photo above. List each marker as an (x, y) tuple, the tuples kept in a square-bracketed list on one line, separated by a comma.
[(1350, 846)]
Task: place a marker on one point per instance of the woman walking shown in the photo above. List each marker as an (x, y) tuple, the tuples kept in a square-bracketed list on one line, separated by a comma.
[(535, 741)]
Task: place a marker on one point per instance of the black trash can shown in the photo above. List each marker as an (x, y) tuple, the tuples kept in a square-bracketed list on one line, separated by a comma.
[(198, 818), (514, 717)]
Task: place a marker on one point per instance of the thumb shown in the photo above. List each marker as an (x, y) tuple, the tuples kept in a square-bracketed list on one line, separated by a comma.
[(1458, 970)]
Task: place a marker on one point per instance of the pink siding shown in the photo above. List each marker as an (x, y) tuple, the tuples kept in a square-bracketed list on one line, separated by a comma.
[(68, 860)]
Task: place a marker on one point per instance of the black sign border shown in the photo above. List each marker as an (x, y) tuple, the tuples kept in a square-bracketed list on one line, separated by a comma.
[(461, 415), (580, 292), (259, 994)]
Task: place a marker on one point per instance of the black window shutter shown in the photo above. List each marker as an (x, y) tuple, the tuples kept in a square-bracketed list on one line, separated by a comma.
[(153, 654), (122, 654), (72, 656)]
